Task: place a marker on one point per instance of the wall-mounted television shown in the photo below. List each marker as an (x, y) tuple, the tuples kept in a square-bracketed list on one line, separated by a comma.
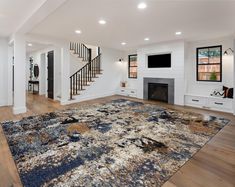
[(159, 61)]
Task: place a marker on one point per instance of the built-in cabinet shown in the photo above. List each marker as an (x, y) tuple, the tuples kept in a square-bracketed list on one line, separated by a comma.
[(127, 92), (207, 102)]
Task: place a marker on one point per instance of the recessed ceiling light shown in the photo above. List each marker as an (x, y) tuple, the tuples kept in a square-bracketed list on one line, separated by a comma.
[(123, 43), (142, 5), (178, 33), (146, 39), (102, 22), (30, 45), (78, 32)]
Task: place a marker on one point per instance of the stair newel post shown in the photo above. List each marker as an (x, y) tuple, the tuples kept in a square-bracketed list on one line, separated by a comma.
[(73, 85), (86, 74), (80, 49), (71, 93), (89, 60), (80, 82), (77, 48), (92, 68), (99, 63), (76, 83), (82, 52), (81, 79)]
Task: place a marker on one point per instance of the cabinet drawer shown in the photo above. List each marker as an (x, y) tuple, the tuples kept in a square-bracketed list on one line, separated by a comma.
[(132, 92), (194, 100), (122, 92), (221, 103)]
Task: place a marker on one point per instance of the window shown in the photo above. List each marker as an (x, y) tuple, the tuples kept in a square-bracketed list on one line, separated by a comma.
[(209, 64), (132, 66)]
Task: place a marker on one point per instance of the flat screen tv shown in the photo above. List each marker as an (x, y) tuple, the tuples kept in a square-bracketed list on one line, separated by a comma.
[(159, 61)]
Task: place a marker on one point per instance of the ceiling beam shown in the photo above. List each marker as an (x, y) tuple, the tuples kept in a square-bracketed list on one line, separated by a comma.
[(38, 15)]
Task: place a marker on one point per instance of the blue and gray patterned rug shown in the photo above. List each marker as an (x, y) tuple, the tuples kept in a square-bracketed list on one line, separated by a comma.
[(121, 143)]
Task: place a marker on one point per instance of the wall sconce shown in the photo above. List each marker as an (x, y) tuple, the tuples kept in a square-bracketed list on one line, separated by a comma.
[(121, 60), (226, 52)]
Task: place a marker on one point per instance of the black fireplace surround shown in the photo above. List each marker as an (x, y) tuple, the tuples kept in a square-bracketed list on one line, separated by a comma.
[(160, 89), (158, 92)]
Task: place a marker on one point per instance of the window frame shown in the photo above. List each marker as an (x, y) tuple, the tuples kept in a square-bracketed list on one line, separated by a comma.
[(220, 64), (129, 67)]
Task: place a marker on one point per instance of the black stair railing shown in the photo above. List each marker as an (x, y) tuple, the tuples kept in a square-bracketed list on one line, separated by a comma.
[(83, 76), (81, 50)]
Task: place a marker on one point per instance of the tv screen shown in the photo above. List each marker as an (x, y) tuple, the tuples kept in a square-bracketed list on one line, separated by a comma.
[(159, 61)]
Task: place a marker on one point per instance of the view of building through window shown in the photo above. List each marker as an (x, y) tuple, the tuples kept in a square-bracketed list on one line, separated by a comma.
[(132, 66), (209, 61)]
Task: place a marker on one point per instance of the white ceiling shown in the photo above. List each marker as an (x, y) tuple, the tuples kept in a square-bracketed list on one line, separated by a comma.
[(125, 23), (13, 13), (197, 19), (35, 46)]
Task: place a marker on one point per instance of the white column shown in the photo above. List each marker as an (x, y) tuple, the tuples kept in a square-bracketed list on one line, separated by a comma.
[(65, 74), (9, 75), (233, 77), (19, 98)]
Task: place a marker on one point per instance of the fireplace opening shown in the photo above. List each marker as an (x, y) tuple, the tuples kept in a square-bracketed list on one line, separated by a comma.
[(158, 92)]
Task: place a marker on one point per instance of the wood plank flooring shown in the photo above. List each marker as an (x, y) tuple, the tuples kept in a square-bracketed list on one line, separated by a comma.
[(212, 166)]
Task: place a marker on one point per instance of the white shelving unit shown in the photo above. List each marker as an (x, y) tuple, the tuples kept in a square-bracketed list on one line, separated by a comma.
[(127, 92), (209, 102)]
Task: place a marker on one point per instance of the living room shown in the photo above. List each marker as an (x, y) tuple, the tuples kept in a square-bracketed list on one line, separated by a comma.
[(137, 93)]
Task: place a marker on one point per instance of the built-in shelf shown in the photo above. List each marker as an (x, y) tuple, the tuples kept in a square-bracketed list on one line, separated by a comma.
[(209, 102), (127, 92)]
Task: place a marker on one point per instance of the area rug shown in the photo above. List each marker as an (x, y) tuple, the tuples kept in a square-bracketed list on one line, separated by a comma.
[(121, 143)]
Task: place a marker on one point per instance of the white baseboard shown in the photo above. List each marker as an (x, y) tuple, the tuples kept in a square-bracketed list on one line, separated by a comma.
[(85, 98), (19, 110)]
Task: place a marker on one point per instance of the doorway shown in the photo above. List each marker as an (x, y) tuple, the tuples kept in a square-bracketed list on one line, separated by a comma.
[(50, 74)]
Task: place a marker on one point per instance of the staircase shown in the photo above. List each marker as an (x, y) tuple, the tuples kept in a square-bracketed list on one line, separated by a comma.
[(86, 75)]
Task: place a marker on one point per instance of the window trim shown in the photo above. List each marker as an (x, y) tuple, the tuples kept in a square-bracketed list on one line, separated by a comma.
[(216, 46), (129, 67)]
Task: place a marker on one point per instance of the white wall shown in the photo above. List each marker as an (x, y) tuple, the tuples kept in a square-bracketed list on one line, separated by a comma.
[(109, 81), (205, 88), (76, 63), (3, 72), (176, 71), (94, 50)]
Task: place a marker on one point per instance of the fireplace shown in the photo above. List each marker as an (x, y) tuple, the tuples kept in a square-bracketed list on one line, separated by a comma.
[(158, 92), (161, 89)]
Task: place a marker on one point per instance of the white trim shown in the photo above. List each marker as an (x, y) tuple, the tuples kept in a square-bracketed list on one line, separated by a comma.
[(85, 98), (19, 110)]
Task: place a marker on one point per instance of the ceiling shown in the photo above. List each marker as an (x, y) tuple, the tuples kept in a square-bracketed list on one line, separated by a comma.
[(35, 46), (126, 23), (196, 19), (14, 12)]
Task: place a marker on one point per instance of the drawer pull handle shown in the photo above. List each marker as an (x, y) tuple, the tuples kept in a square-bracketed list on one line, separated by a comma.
[(122, 90), (218, 103), (195, 100), (132, 92)]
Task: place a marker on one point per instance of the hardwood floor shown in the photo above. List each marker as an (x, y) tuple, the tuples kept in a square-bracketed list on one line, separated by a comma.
[(212, 166)]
